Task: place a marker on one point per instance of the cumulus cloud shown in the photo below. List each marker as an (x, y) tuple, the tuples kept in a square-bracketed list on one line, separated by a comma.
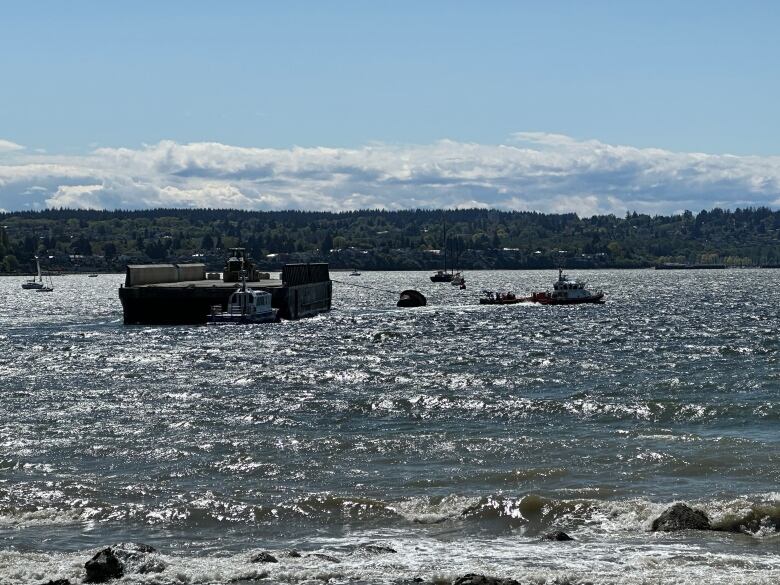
[(8, 146), (533, 171)]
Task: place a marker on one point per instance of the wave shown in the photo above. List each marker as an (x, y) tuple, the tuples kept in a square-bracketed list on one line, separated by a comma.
[(532, 514)]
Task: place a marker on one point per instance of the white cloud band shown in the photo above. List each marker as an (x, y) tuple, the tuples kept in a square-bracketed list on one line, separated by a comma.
[(535, 171)]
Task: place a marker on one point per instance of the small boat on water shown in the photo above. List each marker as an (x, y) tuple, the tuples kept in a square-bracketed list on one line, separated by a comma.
[(46, 288), (490, 297), (93, 276), (568, 292), (36, 282), (246, 305), (354, 272), (441, 276), (458, 280)]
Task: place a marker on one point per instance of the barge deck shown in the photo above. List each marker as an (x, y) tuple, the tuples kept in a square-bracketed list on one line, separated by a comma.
[(182, 294)]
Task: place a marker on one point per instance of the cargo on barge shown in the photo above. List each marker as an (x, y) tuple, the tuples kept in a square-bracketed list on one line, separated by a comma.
[(184, 294)]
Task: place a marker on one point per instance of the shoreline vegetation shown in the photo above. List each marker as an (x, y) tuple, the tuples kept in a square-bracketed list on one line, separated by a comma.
[(77, 241)]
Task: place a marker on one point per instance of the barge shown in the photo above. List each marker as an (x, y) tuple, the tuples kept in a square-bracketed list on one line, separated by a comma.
[(184, 294)]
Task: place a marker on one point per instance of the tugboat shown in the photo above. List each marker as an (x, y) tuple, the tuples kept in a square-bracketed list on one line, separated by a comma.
[(568, 292), (246, 305), (35, 283)]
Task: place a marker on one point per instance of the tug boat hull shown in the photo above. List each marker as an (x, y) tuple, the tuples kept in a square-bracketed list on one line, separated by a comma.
[(545, 299)]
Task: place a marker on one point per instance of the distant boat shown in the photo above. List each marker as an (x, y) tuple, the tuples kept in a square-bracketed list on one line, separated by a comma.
[(458, 280), (93, 276), (354, 272), (490, 297), (32, 284), (441, 276), (48, 288)]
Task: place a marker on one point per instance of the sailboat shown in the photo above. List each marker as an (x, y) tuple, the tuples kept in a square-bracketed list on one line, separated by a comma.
[(47, 288), (35, 283), (457, 277), (443, 275)]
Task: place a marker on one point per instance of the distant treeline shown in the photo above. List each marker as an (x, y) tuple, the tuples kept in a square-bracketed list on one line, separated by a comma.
[(376, 239)]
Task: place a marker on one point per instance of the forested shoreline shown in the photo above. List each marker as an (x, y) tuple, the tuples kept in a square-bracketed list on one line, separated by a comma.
[(95, 240)]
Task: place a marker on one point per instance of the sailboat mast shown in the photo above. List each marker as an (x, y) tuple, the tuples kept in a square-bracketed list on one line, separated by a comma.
[(444, 223), (38, 264)]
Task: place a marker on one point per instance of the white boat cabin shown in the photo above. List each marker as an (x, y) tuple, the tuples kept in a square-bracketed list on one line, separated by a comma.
[(564, 288), (249, 303)]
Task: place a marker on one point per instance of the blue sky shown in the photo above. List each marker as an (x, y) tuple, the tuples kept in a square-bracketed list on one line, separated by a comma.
[(684, 77)]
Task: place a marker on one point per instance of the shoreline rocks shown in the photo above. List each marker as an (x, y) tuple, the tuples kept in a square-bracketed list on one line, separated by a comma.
[(263, 557), (114, 561), (104, 566), (681, 517), (475, 579)]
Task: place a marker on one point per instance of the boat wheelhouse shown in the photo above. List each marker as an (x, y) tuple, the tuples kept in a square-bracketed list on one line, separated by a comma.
[(568, 292), (245, 305)]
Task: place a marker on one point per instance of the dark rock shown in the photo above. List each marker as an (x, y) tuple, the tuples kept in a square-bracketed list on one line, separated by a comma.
[(324, 557), (57, 582), (474, 579), (104, 566), (119, 559), (681, 517), (264, 557), (376, 549), (294, 554), (558, 535)]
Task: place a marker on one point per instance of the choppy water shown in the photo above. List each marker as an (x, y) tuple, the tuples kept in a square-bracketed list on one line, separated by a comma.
[(454, 433)]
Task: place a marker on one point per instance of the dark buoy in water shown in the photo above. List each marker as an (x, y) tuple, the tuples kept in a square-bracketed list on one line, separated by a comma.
[(412, 298)]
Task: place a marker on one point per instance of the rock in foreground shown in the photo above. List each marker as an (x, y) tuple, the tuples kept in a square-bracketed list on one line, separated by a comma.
[(264, 557), (681, 517), (474, 579), (557, 535), (126, 557), (103, 567)]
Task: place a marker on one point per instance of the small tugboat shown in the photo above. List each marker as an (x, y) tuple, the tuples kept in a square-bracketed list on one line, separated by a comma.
[(35, 283), (246, 305), (490, 297), (568, 292)]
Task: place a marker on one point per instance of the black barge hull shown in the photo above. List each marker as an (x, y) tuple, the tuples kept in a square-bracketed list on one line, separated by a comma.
[(306, 291)]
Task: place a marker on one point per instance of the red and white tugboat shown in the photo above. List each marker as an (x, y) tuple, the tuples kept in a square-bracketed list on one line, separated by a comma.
[(568, 292)]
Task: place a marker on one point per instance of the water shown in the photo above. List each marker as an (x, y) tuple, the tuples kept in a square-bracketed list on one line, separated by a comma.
[(457, 433)]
